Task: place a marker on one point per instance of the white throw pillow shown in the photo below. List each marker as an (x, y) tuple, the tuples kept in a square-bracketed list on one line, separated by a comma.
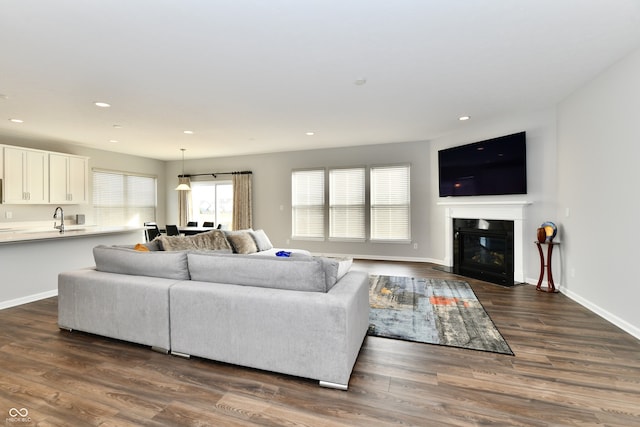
[(344, 264), (262, 241)]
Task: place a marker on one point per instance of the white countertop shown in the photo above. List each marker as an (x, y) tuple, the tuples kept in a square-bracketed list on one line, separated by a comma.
[(17, 235)]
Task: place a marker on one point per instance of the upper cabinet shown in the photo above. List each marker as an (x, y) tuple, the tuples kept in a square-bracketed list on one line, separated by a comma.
[(68, 178), (26, 176), (41, 177)]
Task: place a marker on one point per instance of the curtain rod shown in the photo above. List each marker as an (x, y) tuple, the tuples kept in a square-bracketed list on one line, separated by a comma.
[(214, 174)]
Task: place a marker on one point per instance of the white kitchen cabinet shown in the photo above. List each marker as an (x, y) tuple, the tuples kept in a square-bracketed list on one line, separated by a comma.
[(68, 179), (26, 176)]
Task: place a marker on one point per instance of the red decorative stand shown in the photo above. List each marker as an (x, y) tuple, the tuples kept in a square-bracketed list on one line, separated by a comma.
[(551, 286)]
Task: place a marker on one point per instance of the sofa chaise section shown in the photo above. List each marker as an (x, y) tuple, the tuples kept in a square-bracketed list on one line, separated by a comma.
[(125, 296), (125, 307)]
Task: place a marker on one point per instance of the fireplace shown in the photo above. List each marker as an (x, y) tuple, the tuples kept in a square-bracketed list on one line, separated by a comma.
[(484, 249), (514, 211)]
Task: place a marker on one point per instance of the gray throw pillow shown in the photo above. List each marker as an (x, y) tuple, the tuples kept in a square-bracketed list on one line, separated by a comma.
[(242, 243)]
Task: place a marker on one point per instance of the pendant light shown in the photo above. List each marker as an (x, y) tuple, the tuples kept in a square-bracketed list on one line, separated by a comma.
[(183, 186)]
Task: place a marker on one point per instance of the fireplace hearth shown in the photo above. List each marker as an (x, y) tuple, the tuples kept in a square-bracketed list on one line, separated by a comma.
[(484, 249)]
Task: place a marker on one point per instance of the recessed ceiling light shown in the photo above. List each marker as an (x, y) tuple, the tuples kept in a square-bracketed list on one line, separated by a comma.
[(464, 118), (3, 96), (113, 140), (102, 104), (117, 126), (360, 81), (188, 132), (310, 133), (16, 121)]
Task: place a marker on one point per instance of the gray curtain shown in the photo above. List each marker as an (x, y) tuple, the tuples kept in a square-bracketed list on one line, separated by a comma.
[(184, 203), (242, 206)]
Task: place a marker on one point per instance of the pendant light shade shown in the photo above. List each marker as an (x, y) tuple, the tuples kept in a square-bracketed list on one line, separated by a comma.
[(183, 186)]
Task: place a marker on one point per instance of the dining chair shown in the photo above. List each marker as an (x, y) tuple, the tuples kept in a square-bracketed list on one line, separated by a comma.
[(192, 224), (151, 230), (151, 233), (207, 224), (172, 230)]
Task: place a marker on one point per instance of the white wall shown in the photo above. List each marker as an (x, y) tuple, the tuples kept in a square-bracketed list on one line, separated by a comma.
[(272, 193), (541, 180), (598, 183)]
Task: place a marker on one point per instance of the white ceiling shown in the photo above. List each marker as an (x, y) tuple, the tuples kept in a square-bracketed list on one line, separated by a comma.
[(255, 76)]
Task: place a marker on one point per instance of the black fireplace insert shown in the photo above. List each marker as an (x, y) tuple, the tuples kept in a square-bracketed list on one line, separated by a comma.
[(483, 249)]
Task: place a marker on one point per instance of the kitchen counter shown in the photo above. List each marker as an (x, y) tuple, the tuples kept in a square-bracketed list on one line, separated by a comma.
[(17, 235), (32, 256)]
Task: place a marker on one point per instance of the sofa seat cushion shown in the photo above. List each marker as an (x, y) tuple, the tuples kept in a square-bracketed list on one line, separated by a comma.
[(307, 274), (169, 265), (293, 252), (210, 240)]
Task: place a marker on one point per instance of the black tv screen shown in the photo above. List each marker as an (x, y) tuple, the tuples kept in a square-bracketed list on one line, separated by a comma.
[(496, 166)]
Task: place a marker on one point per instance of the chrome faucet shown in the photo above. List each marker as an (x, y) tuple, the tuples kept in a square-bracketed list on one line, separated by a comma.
[(55, 215)]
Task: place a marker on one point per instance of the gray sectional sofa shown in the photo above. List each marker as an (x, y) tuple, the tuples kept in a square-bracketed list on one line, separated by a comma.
[(304, 316)]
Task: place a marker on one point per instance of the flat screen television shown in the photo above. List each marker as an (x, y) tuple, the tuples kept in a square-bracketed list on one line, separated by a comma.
[(496, 166)]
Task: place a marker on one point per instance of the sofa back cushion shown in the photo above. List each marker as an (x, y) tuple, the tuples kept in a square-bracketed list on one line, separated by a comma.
[(306, 274), (169, 265)]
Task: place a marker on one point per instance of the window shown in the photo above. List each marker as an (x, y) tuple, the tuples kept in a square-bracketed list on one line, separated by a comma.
[(307, 201), (390, 203), (212, 201), (347, 203), (121, 198)]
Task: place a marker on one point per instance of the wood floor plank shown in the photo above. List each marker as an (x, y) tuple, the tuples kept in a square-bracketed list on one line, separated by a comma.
[(570, 368)]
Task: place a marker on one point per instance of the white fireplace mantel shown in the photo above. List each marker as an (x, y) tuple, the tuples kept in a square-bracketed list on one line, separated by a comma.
[(511, 211)]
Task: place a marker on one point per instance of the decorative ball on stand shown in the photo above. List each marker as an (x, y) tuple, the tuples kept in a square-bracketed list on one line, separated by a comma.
[(547, 232)]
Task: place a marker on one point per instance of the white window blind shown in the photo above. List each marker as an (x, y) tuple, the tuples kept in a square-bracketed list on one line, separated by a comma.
[(347, 203), (307, 200), (123, 199), (390, 203)]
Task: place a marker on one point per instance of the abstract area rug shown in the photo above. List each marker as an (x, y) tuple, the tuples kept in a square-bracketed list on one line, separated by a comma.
[(433, 311)]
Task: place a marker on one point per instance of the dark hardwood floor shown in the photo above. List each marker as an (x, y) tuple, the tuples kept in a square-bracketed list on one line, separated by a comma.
[(570, 367)]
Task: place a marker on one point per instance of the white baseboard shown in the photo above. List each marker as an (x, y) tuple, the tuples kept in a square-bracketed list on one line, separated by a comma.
[(27, 299), (620, 323)]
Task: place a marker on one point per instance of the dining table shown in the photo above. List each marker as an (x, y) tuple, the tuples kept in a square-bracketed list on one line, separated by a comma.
[(190, 231)]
